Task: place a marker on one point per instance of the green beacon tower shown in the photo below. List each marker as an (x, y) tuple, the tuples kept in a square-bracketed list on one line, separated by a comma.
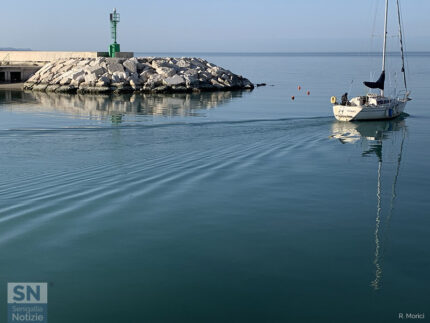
[(114, 20)]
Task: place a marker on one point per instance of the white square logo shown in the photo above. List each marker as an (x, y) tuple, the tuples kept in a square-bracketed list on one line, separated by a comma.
[(27, 293)]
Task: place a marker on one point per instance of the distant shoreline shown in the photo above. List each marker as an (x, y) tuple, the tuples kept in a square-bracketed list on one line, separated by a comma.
[(12, 49)]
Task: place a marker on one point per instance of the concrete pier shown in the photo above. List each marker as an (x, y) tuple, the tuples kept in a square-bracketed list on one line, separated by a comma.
[(16, 57), (19, 66)]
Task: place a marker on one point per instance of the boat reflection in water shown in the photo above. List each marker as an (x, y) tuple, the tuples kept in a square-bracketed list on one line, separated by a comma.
[(372, 135), (102, 106)]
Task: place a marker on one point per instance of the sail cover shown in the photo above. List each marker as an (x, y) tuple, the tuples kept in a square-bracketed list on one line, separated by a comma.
[(379, 84)]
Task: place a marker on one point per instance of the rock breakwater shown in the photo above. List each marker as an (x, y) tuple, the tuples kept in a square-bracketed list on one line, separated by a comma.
[(143, 74)]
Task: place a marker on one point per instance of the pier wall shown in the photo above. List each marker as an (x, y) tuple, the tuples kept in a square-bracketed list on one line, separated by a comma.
[(48, 56), (37, 56), (16, 73)]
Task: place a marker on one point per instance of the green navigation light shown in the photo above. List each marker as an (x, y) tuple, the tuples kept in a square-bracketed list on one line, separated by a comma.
[(114, 20)]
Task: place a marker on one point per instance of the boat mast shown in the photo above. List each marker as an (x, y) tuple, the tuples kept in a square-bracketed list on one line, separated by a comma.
[(401, 45), (385, 41)]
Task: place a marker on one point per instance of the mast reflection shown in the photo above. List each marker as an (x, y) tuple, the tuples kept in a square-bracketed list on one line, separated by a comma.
[(372, 135)]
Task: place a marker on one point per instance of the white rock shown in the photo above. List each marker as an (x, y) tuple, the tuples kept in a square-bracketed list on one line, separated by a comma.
[(45, 68), (134, 84), (166, 71), (146, 67), (80, 79), (84, 62), (74, 83), (145, 75), (154, 80), (34, 78), (217, 84), (191, 80), (131, 65), (90, 78), (204, 76), (174, 80), (65, 80), (75, 75), (96, 70), (115, 67), (56, 68), (183, 63), (216, 71), (70, 62), (191, 72), (120, 75), (159, 62)]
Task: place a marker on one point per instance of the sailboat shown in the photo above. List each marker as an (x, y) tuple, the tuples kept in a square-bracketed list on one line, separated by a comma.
[(375, 106)]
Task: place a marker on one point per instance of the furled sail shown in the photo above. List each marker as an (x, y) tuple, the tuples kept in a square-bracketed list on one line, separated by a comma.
[(379, 84)]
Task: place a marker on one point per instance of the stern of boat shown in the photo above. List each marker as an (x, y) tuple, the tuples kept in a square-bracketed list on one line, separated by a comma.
[(346, 112)]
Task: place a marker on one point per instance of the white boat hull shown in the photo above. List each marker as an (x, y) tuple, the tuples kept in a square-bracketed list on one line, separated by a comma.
[(371, 112)]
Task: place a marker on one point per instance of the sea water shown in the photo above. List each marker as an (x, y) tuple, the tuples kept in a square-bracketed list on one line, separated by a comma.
[(221, 207)]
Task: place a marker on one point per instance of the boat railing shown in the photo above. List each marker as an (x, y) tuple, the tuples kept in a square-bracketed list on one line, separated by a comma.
[(403, 94)]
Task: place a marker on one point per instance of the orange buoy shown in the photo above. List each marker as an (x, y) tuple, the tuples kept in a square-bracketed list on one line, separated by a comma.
[(308, 93), (292, 98), (299, 87)]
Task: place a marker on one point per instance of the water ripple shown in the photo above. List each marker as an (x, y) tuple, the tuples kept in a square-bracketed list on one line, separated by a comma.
[(151, 170)]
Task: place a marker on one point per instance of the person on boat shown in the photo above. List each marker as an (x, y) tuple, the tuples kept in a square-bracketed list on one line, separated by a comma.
[(345, 99)]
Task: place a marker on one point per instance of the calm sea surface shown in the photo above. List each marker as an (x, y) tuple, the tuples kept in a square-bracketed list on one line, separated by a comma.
[(221, 207)]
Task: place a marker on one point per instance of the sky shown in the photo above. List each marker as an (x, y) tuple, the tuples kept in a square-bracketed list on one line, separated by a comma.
[(212, 25)]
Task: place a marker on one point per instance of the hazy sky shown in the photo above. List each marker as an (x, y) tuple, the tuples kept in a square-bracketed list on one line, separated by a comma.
[(210, 25)]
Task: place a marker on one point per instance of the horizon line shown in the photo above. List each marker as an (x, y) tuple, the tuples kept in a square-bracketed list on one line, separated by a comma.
[(285, 52)]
